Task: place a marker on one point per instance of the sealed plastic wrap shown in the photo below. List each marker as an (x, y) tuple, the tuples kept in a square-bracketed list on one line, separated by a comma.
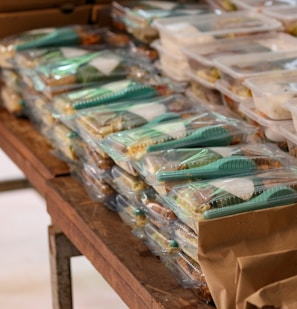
[(62, 139), (185, 163), (234, 70), (132, 214), (289, 133), (159, 242), (66, 106), (260, 5), (138, 21), (86, 70), (220, 197), (287, 15), (178, 32), (269, 129), (89, 155), (271, 91), (97, 123), (187, 239), (189, 274), (49, 37), (205, 129), (97, 188), (12, 100), (200, 57), (130, 186), (29, 59), (157, 213)]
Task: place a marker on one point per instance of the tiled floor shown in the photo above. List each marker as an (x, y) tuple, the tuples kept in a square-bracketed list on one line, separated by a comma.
[(24, 261)]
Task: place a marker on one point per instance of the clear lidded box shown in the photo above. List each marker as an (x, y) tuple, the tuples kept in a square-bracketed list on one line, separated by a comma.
[(234, 70), (289, 133), (201, 200), (200, 56), (271, 91), (178, 32), (205, 129), (287, 15)]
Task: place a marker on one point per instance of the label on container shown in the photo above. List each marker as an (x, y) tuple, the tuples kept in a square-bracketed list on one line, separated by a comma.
[(241, 187), (148, 111), (106, 64), (69, 52)]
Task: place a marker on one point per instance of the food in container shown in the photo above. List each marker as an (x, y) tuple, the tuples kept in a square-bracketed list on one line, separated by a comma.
[(291, 106), (187, 239), (289, 133), (271, 91), (178, 32), (49, 37), (205, 129), (201, 56), (12, 100), (222, 5), (269, 129), (234, 70), (131, 214), (97, 123), (219, 197), (157, 242), (188, 272)]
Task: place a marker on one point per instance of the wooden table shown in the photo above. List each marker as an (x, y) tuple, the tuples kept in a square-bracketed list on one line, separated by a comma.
[(82, 226)]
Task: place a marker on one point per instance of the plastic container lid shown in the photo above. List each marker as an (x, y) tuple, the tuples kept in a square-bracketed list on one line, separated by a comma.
[(289, 133), (258, 43), (191, 30), (244, 66), (200, 80), (262, 4), (284, 14)]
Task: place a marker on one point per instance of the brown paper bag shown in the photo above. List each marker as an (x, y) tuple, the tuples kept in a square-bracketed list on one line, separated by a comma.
[(255, 272), (221, 241), (278, 295)]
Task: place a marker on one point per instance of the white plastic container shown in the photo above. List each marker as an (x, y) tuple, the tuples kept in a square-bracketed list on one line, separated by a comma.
[(234, 70), (178, 32), (260, 5), (269, 129), (287, 15), (200, 57), (291, 106), (271, 91)]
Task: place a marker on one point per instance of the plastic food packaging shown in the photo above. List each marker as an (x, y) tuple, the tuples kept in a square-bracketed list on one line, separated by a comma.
[(222, 5), (67, 105), (269, 129), (205, 129), (49, 37), (178, 32), (261, 5), (180, 164), (187, 240), (130, 186), (97, 188), (289, 133), (220, 197), (291, 106), (157, 242), (97, 123), (157, 213), (86, 70), (287, 15), (12, 100), (200, 57), (271, 91), (131, 214), (89, 155), (189, 274)]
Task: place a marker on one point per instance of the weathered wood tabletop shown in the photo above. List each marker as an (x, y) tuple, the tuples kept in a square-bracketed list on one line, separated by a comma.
[(139, 278)]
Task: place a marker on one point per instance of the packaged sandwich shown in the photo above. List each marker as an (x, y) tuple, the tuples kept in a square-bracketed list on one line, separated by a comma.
[(49, 37), (219, 197)]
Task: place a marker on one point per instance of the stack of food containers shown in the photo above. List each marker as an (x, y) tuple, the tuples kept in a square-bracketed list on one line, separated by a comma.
[(181, 32)]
